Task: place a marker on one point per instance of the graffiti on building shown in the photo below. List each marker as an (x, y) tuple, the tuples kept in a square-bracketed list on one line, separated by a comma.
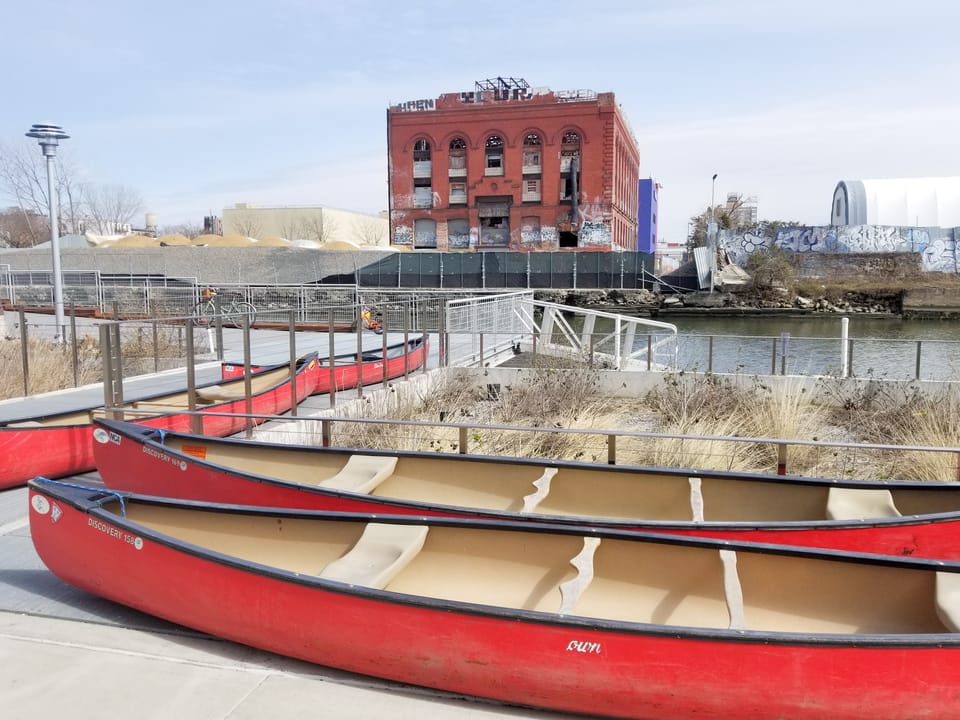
[(414, 105), (403, 235), (937, 246), (593, 234), (458, 240), (549, 238)]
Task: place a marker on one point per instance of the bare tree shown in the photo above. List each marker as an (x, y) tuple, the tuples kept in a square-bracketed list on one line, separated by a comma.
[(371, 231), (319, 227), (188, 230), (292, 228), (248, 224), (111, 207), (19, 227), (23, 182)]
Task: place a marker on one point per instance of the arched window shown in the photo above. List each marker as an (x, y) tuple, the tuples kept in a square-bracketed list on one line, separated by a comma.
[(532, 154), (570, 166), (457, 166), (422, 174), (421, 150), (494, 156)]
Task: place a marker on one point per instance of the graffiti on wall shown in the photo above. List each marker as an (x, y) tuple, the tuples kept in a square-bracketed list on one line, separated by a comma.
[(549, 238), (403, 235), (937, 246), (593, 234)]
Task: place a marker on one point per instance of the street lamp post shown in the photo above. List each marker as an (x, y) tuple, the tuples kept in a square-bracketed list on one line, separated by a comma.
[(48, 136), (712, 232)]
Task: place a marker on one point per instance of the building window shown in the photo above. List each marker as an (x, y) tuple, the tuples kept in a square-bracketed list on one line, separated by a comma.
[(494, 156), (458, 193), (531, 190), (458, 233), (422, 166), (494, 215), (457, 166), (425, 233), (530, 230), (532, 154), (422, 196), (570, 165)]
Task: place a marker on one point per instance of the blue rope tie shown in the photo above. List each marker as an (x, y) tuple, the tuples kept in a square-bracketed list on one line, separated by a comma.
[(118, 496)]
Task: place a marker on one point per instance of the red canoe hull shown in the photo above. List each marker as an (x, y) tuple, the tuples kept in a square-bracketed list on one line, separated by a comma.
[(126, 463), (58, 451), (349, 374), (534, 659)]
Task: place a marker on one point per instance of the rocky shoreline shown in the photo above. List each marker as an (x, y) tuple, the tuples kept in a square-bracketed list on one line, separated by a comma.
[(651, 304)]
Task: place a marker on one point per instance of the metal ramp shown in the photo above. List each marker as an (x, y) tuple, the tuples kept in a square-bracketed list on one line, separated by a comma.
[(517, 320)]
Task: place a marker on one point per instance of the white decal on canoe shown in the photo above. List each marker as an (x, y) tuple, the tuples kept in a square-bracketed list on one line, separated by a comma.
[(40, 504), (117, 533), (581, 646), (101, 436), (55, 513), (164, 457)]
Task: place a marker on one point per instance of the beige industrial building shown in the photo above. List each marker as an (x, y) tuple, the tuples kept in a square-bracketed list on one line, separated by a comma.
[(307, 226)]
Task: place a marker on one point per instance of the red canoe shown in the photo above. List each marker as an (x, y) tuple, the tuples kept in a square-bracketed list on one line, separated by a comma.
[(895, 518), (574, 619), (346, 371), (59, 445)]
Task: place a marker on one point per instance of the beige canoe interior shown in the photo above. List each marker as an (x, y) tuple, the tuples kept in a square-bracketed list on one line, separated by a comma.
[(595, 492), (174, 402), (616, 579)]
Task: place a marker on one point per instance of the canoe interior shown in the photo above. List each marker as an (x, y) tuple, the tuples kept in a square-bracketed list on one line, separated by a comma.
[(178, 401), (570, 491), (635, 581)]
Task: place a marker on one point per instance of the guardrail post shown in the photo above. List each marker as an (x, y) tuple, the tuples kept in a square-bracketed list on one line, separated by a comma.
[(326, 428), (292, 338), (781, 458), (710, 353), (916, 374), (773, 358), (74, 346), (24, 352), (331, 362), (463, 449), (649, 351), (611, 449)]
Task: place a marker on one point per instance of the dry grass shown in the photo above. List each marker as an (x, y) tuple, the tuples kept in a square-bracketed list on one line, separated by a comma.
[(51, 365)]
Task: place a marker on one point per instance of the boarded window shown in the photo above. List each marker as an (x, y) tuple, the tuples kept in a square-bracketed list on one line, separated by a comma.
[(458, 233), (425, 233)]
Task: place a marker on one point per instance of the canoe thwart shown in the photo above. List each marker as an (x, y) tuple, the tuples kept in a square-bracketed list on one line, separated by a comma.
[(542, 485), (855, 504), (732, 589), (361, 473), (696, 500), (572, 589), (382, 551)]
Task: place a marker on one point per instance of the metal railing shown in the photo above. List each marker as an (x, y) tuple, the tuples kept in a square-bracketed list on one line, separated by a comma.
[(850, 460)]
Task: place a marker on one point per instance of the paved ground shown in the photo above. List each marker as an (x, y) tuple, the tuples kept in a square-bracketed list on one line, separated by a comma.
[(65, 653)]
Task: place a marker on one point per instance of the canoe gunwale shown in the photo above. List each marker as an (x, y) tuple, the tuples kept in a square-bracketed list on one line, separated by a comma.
[(154, 438), (94, 502)]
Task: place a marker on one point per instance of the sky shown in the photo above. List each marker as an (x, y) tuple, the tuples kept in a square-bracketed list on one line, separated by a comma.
[(200, 105)]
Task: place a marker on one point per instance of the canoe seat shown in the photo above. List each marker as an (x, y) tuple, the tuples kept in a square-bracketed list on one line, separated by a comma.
[(542, 485), (361, 474), (855, 504), (948, 600), (732, 589), (219, 393), (572, 589), (696, 500), (382, 551)]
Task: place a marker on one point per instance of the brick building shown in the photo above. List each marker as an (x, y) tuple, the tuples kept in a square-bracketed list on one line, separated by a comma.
[(512, 168)]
